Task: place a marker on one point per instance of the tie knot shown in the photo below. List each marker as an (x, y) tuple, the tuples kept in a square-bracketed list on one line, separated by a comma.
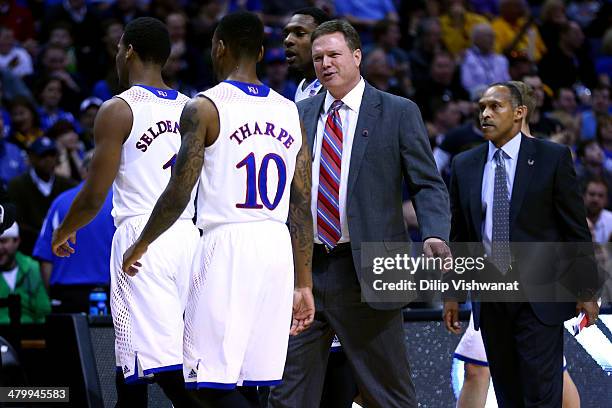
[(498, 156), (336, 105)]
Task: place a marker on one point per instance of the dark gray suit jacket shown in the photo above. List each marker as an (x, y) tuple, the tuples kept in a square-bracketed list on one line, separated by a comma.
[(390, 143)]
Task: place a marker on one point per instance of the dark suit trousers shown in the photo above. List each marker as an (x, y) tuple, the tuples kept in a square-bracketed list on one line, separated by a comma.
[(373, 340), (525, 356)]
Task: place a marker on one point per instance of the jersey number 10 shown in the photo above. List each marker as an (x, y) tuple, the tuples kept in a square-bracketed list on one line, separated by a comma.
[(257, 182)]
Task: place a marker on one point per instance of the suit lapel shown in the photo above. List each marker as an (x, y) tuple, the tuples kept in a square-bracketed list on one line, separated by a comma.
[(369, 113), (476, 173), (522, 177)]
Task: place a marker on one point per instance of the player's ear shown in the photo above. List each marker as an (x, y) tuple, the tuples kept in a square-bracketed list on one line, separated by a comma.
[(221, 49), (129, 51), (261, 54)]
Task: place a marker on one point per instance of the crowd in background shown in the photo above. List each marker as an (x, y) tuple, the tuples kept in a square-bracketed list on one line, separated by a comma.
[(57, 66)]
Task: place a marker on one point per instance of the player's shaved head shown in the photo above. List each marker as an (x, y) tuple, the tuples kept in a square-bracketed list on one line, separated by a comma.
[(242, 33)]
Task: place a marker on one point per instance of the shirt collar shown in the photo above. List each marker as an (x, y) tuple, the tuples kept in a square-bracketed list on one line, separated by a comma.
[(351, 99), (510, 149)]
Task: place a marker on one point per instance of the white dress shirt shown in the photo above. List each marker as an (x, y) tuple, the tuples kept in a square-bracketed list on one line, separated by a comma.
[(45, 187), (603, 227), (349, 113), (510, 154)]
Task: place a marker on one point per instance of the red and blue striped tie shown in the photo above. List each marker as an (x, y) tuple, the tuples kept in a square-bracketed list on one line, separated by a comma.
[(328, 200)]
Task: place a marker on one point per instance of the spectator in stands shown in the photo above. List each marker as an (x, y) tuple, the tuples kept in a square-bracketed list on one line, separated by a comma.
[(378, 73), (274, 13), (72, 279), (49, 96), (364, 14), (18, 18), (105, 88), (69, 148), (12, 158), (387, 36), (603, 63), (428, 42), (124, 11), (276, 73), (540, 125), (591, 165), (445, 116), (34, 191), (88, 111), (595, 202), (457, 26), (456, 141), (516, 31), (443, 84), (481, 65), (61, 36), (552, 18), (604, 137), (21, 276), (192, 72), (84, 23), (565, 109), (25, 123), (571, 53), (13, 57), (583, 11), (12, 86), (54, 64), (600, 106)]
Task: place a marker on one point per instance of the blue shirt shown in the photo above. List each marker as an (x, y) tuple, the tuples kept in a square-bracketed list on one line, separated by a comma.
[(90, 264), (366, 9), (12, 161), (510, 154)]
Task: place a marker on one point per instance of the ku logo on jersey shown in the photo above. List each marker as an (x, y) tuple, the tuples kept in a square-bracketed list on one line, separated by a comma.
[(162, 93), (253, 90)]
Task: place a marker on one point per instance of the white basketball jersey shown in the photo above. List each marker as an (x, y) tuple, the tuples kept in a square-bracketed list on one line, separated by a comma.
[(248, 170), (149, 152)]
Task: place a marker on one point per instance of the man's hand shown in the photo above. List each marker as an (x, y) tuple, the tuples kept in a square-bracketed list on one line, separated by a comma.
[(450, 315), (131, 258), (591, 309), (303, 310), (60, 244), (437, 248)]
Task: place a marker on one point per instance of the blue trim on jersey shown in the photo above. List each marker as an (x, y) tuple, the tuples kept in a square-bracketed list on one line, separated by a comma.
[(261, 383), (260, 91), (470, 360), (161, 93), (335, 349), (220, 386), (162, 369)]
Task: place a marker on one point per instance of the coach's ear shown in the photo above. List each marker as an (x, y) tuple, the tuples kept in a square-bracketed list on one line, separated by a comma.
[(261, 54)]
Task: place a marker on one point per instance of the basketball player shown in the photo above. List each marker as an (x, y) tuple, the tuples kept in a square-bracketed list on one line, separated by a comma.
[(245, 143), (471, 348), (137, 138)]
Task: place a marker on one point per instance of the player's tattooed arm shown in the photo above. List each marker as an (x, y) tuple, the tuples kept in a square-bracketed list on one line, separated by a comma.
[(300, 216), (185, 172)]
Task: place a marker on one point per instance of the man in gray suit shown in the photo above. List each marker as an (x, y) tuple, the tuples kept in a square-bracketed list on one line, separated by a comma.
[(364, 142)]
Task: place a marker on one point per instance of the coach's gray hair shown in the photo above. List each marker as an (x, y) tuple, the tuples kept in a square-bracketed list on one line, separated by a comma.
[(339, 26)]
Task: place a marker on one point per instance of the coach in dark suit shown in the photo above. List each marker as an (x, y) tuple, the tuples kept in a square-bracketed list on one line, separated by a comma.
[(364, 142), (520, 189)]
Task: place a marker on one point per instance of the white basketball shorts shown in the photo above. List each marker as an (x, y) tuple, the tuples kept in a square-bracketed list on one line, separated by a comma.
[(148, 308), (238, 312), (471, 348)]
